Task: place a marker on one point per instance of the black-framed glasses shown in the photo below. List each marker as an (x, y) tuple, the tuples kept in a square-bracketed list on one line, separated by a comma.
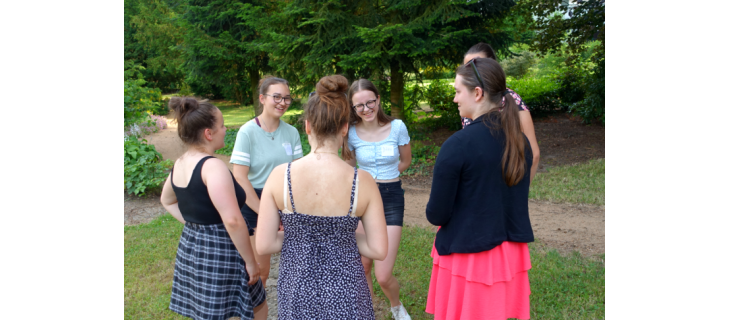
[(370, 104), (479, 77), (278, 98)]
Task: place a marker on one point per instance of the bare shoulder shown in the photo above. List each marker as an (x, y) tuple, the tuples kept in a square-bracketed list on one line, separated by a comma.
[(214, 166)]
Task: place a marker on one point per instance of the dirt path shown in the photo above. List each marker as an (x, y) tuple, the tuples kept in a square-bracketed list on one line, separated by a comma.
[(565, 227)]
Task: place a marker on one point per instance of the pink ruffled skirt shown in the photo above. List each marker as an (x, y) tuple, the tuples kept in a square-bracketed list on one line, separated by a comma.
[(485, 285)]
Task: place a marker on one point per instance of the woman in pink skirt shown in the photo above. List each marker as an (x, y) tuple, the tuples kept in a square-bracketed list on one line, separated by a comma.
[(479, 199)]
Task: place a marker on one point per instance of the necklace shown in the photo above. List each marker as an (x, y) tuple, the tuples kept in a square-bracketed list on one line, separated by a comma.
[(267, 128), (319, 156)]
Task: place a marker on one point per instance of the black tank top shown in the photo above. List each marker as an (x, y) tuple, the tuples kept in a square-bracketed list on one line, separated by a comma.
[(194, 201)]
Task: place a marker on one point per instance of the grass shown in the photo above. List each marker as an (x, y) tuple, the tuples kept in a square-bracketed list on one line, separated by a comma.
[(571, 287), (235, 114), (149, 261), (580, 183)]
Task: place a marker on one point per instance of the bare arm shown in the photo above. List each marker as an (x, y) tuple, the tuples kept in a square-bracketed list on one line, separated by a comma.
[(405, 157), (240, 172), (217, 178), (169, 200), (268, 237), (374, 242), (529, 129)]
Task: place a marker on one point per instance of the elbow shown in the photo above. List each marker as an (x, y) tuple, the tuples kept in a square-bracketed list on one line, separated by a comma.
[(382, 253), (535, 156), (234, 222), (436, 220)]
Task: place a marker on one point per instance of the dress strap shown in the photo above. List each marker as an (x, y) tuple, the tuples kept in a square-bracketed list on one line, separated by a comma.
[(353, 195), (288, 181)]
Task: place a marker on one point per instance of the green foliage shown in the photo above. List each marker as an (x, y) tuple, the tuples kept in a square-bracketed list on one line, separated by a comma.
[(581, 183), (423, 156), (230, 141), (143, 166), (152, 33), (140, 100), (518, 65), (592, 107), (440, 96), (539, 94)]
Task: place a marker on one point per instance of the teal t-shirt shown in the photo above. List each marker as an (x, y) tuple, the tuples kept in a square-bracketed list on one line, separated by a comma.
[(256, 149)]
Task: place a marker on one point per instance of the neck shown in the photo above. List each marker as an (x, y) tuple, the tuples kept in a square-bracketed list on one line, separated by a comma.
[(205, 149), (327, 146), (482, 110), (370, 125), (269, 122)]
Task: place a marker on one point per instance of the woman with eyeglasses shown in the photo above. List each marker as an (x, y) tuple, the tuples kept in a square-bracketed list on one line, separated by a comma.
[(483, 50), (262, 144), (381, 147), (479, 200)]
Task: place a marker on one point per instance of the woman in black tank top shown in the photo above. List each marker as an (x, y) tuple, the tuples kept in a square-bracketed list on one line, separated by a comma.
[(216, 275)]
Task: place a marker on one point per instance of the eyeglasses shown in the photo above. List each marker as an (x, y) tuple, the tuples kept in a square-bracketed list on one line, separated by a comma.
[(278, 98), (473, 65), (370, 104)]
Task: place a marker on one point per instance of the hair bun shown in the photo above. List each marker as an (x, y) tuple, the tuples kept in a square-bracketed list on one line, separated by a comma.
[(335, 83)]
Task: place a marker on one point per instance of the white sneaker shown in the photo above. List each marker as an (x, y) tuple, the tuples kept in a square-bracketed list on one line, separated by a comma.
[(400, 313)]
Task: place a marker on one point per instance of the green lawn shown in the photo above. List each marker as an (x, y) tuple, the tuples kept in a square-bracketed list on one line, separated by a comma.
[(235, 115), (581, 183), (571, 287)]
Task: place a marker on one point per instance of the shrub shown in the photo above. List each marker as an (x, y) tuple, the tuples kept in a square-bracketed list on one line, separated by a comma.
[(539, 94), (518, 65), (440, 96), (423, 156), (144, 168), (230, 141), (593, 106)]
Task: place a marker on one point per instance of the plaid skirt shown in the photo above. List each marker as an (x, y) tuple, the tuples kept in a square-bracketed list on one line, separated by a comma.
[(210, 279)]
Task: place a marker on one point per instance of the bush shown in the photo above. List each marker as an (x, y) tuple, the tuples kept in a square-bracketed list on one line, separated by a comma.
[(593, 106), (518, 66), (440, 96), (539, 94), (144, 168), (423, 156), (230, 141)]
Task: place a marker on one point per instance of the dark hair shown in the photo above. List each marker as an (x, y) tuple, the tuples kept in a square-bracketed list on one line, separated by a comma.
[(328, 110), (508, 119), (192, 117), (484, 48), (267, 81), (360, 85)]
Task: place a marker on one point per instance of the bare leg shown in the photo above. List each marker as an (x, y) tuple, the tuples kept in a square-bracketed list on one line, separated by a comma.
[(384, 269), (264, 261), (261, 312)]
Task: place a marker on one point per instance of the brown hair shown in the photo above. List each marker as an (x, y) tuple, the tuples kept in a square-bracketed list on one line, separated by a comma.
[(484, 48), (192, 117), (327, 110), (360, 85), (267, 81), (507, 119)]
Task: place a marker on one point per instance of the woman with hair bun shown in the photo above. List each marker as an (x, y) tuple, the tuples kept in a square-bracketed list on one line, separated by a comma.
[(216, 275), (381, 146), (321, 199), (483, 50), (263, 143), (479, 200)]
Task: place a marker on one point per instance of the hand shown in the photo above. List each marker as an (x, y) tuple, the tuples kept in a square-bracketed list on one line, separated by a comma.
[(253, 273)]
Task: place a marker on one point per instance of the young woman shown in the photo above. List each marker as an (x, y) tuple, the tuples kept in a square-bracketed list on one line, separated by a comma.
[(381, 147), (262, 144), (320, 199), (483, 50), (216, 275), (479, 198)]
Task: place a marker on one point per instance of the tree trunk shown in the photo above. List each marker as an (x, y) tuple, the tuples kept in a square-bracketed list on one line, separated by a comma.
[(396, 90), (253, 78)]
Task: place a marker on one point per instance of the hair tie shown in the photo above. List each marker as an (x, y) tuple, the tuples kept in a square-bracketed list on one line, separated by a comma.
[(504, 93)]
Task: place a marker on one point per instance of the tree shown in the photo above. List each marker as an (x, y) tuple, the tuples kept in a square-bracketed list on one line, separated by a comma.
[(370, 38), (151, 35), (220, 48), (560, 25)]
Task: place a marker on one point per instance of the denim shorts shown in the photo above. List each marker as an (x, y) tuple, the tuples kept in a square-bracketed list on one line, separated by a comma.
[(252, 218), (393, 202)]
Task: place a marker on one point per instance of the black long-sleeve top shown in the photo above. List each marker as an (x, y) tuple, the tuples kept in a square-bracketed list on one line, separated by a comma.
[(470, 200)]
